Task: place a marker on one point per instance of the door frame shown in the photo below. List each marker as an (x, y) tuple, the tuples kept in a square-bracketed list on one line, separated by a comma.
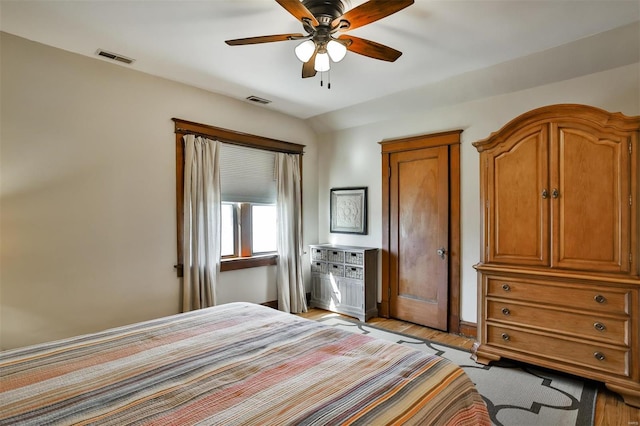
[(390, 146)]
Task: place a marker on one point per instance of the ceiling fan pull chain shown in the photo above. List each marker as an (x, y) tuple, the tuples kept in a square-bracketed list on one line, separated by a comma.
[(328, 79)]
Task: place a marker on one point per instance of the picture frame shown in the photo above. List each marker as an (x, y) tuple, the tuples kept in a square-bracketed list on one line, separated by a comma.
[(348, 210)]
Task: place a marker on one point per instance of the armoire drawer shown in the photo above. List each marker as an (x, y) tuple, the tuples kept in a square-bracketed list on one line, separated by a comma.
[(588, 325), (597, 357), (577, 296)]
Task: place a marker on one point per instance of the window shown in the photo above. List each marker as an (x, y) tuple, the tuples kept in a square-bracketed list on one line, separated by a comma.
[(229, 236), (248, 229), (263, 228), (248, 193), (248, 187)]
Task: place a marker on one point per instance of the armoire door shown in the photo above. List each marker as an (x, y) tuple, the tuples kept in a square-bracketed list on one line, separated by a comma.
[(419, 236), (590, 195), (517, 199)]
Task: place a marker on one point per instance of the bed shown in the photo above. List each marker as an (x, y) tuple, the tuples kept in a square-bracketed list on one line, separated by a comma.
[(233, 364)]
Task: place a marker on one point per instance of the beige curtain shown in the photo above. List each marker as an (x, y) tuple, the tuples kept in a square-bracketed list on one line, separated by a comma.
[(201, 222), (291, 295)]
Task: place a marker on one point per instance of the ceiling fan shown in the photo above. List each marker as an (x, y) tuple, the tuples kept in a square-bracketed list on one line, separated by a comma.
[(325, 23)]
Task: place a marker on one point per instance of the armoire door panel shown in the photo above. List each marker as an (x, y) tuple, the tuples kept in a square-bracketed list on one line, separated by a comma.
[(589, 208), (419, 220), (518, 200)]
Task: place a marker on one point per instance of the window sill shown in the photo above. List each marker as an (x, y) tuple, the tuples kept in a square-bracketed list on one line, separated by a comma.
[(247, 262)]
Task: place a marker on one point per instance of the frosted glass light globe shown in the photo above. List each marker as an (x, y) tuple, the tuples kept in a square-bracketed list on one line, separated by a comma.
[(322, 62), (336, 50), (304, 51)]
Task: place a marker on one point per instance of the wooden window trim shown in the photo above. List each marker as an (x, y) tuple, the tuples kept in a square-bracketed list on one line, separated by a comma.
[(184, 127), (232, 264)]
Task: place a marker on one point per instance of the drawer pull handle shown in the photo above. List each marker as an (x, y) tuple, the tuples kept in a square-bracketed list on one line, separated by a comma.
[(599, 356), (506, 287), (505, 337), (599, 326), (506, 311), (600, 298)]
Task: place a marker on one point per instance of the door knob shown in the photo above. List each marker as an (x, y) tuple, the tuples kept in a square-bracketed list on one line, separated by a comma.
[(441, 252)]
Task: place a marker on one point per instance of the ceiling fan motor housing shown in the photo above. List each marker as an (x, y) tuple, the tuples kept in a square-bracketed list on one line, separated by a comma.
[(325, 11)]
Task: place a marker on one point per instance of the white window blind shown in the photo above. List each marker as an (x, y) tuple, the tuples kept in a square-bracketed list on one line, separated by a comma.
[(247, 175)]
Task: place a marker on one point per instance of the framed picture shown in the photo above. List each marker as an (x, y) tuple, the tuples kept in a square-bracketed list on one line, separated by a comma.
[(348, 210)]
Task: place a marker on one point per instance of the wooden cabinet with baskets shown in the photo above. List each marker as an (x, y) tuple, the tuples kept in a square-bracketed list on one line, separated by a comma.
[(344, 280), (559, 274)]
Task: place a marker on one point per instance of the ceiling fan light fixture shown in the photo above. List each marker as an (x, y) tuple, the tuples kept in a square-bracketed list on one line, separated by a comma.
[(322, 62), (304, 51), (336, 50)]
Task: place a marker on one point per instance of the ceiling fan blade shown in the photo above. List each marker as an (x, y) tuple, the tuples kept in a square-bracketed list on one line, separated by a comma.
[(297, 9), (263, 39), (370, 48), (308, 68), (369, 12)]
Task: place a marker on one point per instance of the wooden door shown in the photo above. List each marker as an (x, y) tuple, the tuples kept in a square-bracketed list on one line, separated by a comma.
[(517, 199), (419, 236), (590, 199)]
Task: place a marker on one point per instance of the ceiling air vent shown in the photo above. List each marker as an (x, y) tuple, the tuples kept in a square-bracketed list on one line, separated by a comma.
[(114, 56), (258, 100)]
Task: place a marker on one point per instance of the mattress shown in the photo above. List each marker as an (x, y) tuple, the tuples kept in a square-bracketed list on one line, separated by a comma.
[(233, 364)]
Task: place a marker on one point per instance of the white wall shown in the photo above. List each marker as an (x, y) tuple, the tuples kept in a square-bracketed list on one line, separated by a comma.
[(87, 181), (352, 157), (87, 202)]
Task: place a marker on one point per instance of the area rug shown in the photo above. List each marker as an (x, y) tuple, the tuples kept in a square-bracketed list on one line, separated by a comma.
[(516, 394)]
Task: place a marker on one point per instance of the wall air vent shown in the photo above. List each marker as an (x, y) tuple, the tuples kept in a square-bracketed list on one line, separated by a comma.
[(258, 100), (114, 56)]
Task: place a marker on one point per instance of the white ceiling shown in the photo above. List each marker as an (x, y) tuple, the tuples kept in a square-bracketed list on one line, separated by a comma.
[(184, 41)]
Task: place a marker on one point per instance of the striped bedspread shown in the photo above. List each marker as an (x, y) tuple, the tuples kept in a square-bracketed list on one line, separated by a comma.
[(234, 364)]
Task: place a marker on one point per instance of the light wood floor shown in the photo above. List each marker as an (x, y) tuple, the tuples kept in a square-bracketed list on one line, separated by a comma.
[(610, 409)]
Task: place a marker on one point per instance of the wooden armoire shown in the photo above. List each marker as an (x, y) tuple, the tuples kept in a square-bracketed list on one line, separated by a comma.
[(559, 275)]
